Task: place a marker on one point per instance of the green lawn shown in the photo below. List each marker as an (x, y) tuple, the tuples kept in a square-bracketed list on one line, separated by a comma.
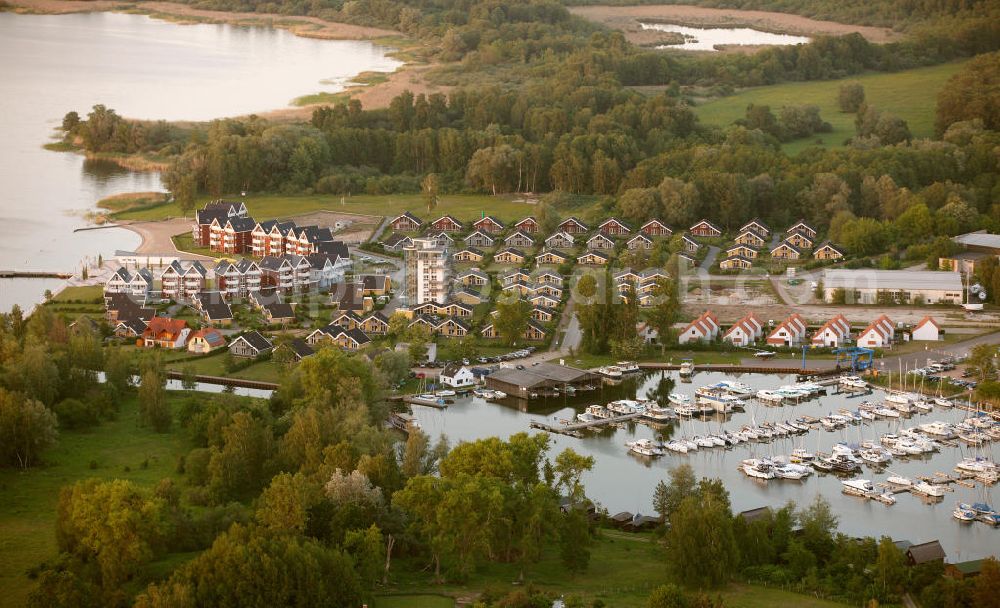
[(27, 511), (214, 365), (87, 293), (910, 94), (464, 207), (624, 568)]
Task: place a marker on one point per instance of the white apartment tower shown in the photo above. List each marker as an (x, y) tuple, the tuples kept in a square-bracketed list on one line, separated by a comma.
[(426, 268)]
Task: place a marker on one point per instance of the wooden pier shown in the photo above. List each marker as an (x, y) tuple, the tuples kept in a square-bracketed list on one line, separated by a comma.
[(226, 381), (576, 427), (742, 369)]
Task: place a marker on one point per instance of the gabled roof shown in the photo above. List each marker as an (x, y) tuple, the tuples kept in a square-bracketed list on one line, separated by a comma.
[(271, 262), (511, 250), (739, 246), (473, 272), (488, 237), (214, 306), (829, 245), (520, 234), (928, 320), (640, 236), (489, 219), (656, 222), (196, 268), (754, 221), (785, 244), (471, 250), (410, 216), (554, 252), (600, 236), (211, 335), (300, 348), (241, 224), (800, 225), (926, 552), (254, 339), (278, 310), (614, 220), (707, 223), (740, 258), (395, 239), (574, 220), (165, 325), (247, 265), (530, 218), (599, 254), (374, 281), (122, 273), (449, 218), (562, 235)]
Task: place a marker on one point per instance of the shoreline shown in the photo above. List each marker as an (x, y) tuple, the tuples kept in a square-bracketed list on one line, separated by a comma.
[(377, 95), (627, 19)]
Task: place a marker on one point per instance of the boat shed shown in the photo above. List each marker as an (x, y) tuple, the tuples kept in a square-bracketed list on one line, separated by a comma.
[(925, 552), (538, 380), (863, 286)]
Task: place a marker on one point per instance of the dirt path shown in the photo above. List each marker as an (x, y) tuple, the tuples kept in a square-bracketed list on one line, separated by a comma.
[(627, 18), (156, 237)]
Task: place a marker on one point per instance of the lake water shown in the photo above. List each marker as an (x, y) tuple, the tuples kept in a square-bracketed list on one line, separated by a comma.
[(143, 68), (706, 39), (621, 481)]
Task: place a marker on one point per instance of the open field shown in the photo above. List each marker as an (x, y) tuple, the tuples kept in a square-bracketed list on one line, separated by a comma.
[(462, 206), (414, 601), (27, 512), (910, 94)]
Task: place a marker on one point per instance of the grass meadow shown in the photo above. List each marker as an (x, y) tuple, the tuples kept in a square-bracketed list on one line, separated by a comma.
[(910, 94)]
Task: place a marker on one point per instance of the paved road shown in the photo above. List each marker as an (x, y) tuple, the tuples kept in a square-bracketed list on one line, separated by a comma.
[(378, 231), (892, 363), (709, 261)]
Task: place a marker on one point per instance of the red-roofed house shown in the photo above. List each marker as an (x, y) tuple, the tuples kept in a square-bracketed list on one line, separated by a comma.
[(791, 332), (835, 332), (703, 329), (878, 334), (166, 333), (926, 329), (744, 332)]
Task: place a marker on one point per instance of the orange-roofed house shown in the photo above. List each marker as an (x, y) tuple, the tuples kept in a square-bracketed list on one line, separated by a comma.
[(791, 332), (927, 329), (878, 334), (165, 332), (834, 333), (703, 329), (744, 332)]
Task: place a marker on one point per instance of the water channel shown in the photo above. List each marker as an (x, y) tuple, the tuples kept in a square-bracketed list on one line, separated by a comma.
[(142, 68), (621, 481), (707, 38)]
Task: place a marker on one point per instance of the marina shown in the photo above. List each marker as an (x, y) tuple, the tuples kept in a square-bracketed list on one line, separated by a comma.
[(632, 453)]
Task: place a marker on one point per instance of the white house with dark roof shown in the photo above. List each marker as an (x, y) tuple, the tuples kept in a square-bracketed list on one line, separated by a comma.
[(519, 239), (560, 240), (600, 242), (639, 242), (479, 239)]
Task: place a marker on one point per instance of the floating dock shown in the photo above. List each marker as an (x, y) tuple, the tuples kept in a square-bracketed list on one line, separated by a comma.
[(576, 427)]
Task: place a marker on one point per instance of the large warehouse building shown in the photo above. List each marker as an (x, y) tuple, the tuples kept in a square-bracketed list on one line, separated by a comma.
[(865, 285)]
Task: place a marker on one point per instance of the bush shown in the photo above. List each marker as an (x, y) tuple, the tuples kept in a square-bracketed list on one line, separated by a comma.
[(75, 414)]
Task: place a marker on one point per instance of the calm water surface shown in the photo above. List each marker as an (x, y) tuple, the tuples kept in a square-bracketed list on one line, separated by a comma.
[(623, 482), (706, 38), (143, 68)]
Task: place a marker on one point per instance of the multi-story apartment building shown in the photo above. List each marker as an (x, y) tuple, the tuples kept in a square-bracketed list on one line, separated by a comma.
[(216, 211), (425, 271), (268, 238)]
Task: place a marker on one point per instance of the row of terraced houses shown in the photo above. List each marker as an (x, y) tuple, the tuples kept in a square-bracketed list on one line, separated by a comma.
[(225, 227)]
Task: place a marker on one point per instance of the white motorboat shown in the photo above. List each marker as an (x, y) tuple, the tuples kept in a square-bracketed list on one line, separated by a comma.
[(897, 397), (599, 411), (885, 412), (858, 487), (758, 468), (736, 388), (866, 415), (659, 414), (899, 481), (690, 444), (875, 456), (800, 455), (964, 512), (499, 395), (922, 406), (679, 399), (703, 442), (428, 397), (852, 382), (938, 429), (627, 367), (585, 417), (942, 402), (610, 371), (902, 408), (677, 446), (644, 447), (769, 396), (445, 393), (686, 410), (979, 464), (686, 369), (625, 407), (792, 471), (927, 489)]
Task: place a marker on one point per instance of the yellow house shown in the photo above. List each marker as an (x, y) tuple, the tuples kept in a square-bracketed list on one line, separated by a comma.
[(786, 251)]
